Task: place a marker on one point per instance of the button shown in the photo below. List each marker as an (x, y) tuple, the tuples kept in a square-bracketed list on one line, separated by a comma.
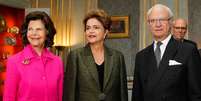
[(43, 77), (101, 97), (164, 97)]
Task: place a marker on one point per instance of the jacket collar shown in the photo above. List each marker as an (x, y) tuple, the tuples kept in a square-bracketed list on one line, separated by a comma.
[(88, 52), (29, 53)]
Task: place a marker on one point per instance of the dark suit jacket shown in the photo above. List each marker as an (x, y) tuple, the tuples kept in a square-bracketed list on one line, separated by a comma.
[(81, 79), (190, 42), (169, 82), (200, 51)]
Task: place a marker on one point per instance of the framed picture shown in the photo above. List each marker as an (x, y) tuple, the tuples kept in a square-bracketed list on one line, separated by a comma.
[(119, 27)]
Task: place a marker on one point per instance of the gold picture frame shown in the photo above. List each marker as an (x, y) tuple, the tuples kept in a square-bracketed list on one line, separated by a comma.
[(119, 27)]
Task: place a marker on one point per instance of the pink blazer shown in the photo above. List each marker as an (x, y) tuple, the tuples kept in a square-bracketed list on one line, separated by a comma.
[(30, 77)]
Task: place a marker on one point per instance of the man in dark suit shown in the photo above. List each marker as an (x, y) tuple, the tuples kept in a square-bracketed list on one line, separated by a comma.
[(179, 30), (167, 70), (200, 51)]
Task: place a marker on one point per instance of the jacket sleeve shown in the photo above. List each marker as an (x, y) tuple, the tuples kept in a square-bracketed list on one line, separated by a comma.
[(69, 92), (123, 75), (137, 90), (11, 82), (194, 74), (61, 79)]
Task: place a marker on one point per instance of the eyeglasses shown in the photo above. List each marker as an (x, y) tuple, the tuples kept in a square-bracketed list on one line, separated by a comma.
[(153, 21), (183, 28)]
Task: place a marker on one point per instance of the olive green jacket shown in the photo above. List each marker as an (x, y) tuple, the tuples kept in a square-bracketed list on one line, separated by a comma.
[(81, 78)]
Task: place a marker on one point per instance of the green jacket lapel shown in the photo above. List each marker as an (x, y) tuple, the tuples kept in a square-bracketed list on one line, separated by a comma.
[(108, 66), (89, 61), (108, 62)]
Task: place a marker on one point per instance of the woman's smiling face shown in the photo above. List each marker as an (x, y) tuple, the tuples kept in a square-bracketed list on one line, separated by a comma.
[(36, 33)]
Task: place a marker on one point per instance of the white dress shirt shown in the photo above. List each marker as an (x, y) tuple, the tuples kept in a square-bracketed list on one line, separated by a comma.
[(164, 44)]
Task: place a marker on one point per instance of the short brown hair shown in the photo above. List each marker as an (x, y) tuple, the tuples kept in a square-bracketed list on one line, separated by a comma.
[(49, 26), (101, 16)]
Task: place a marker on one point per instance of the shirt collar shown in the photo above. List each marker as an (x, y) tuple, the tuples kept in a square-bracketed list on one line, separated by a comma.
[(165, 41), (29, 53)]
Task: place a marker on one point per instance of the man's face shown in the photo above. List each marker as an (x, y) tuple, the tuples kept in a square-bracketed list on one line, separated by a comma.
[(179, 29), (159, 23)]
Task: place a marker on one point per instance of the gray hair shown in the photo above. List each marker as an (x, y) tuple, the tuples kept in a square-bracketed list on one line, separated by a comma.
[(160, 6), (184, 20)]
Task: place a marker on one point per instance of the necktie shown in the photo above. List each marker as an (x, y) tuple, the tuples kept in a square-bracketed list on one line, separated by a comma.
[(158, 52)]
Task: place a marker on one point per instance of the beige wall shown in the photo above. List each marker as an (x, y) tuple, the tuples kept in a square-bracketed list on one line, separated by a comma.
[(67, 16)]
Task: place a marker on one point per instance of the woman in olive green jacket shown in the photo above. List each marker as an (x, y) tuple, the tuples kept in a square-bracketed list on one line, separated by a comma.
[(95, 72)]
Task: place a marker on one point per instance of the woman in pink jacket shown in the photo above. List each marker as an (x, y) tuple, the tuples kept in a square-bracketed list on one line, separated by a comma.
[(35, 74)]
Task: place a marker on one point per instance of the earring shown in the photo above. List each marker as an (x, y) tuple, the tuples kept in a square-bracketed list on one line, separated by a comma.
[(105, 35)]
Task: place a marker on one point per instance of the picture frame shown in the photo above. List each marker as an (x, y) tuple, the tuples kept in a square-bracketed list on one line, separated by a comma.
[(119, 27)]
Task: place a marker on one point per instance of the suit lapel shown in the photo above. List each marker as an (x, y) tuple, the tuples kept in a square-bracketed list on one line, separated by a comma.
[(169, 54), (151, 63), (108, 66), (91, 66)]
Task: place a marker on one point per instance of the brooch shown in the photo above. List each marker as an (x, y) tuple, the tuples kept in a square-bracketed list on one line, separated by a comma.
[(26, 61)]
